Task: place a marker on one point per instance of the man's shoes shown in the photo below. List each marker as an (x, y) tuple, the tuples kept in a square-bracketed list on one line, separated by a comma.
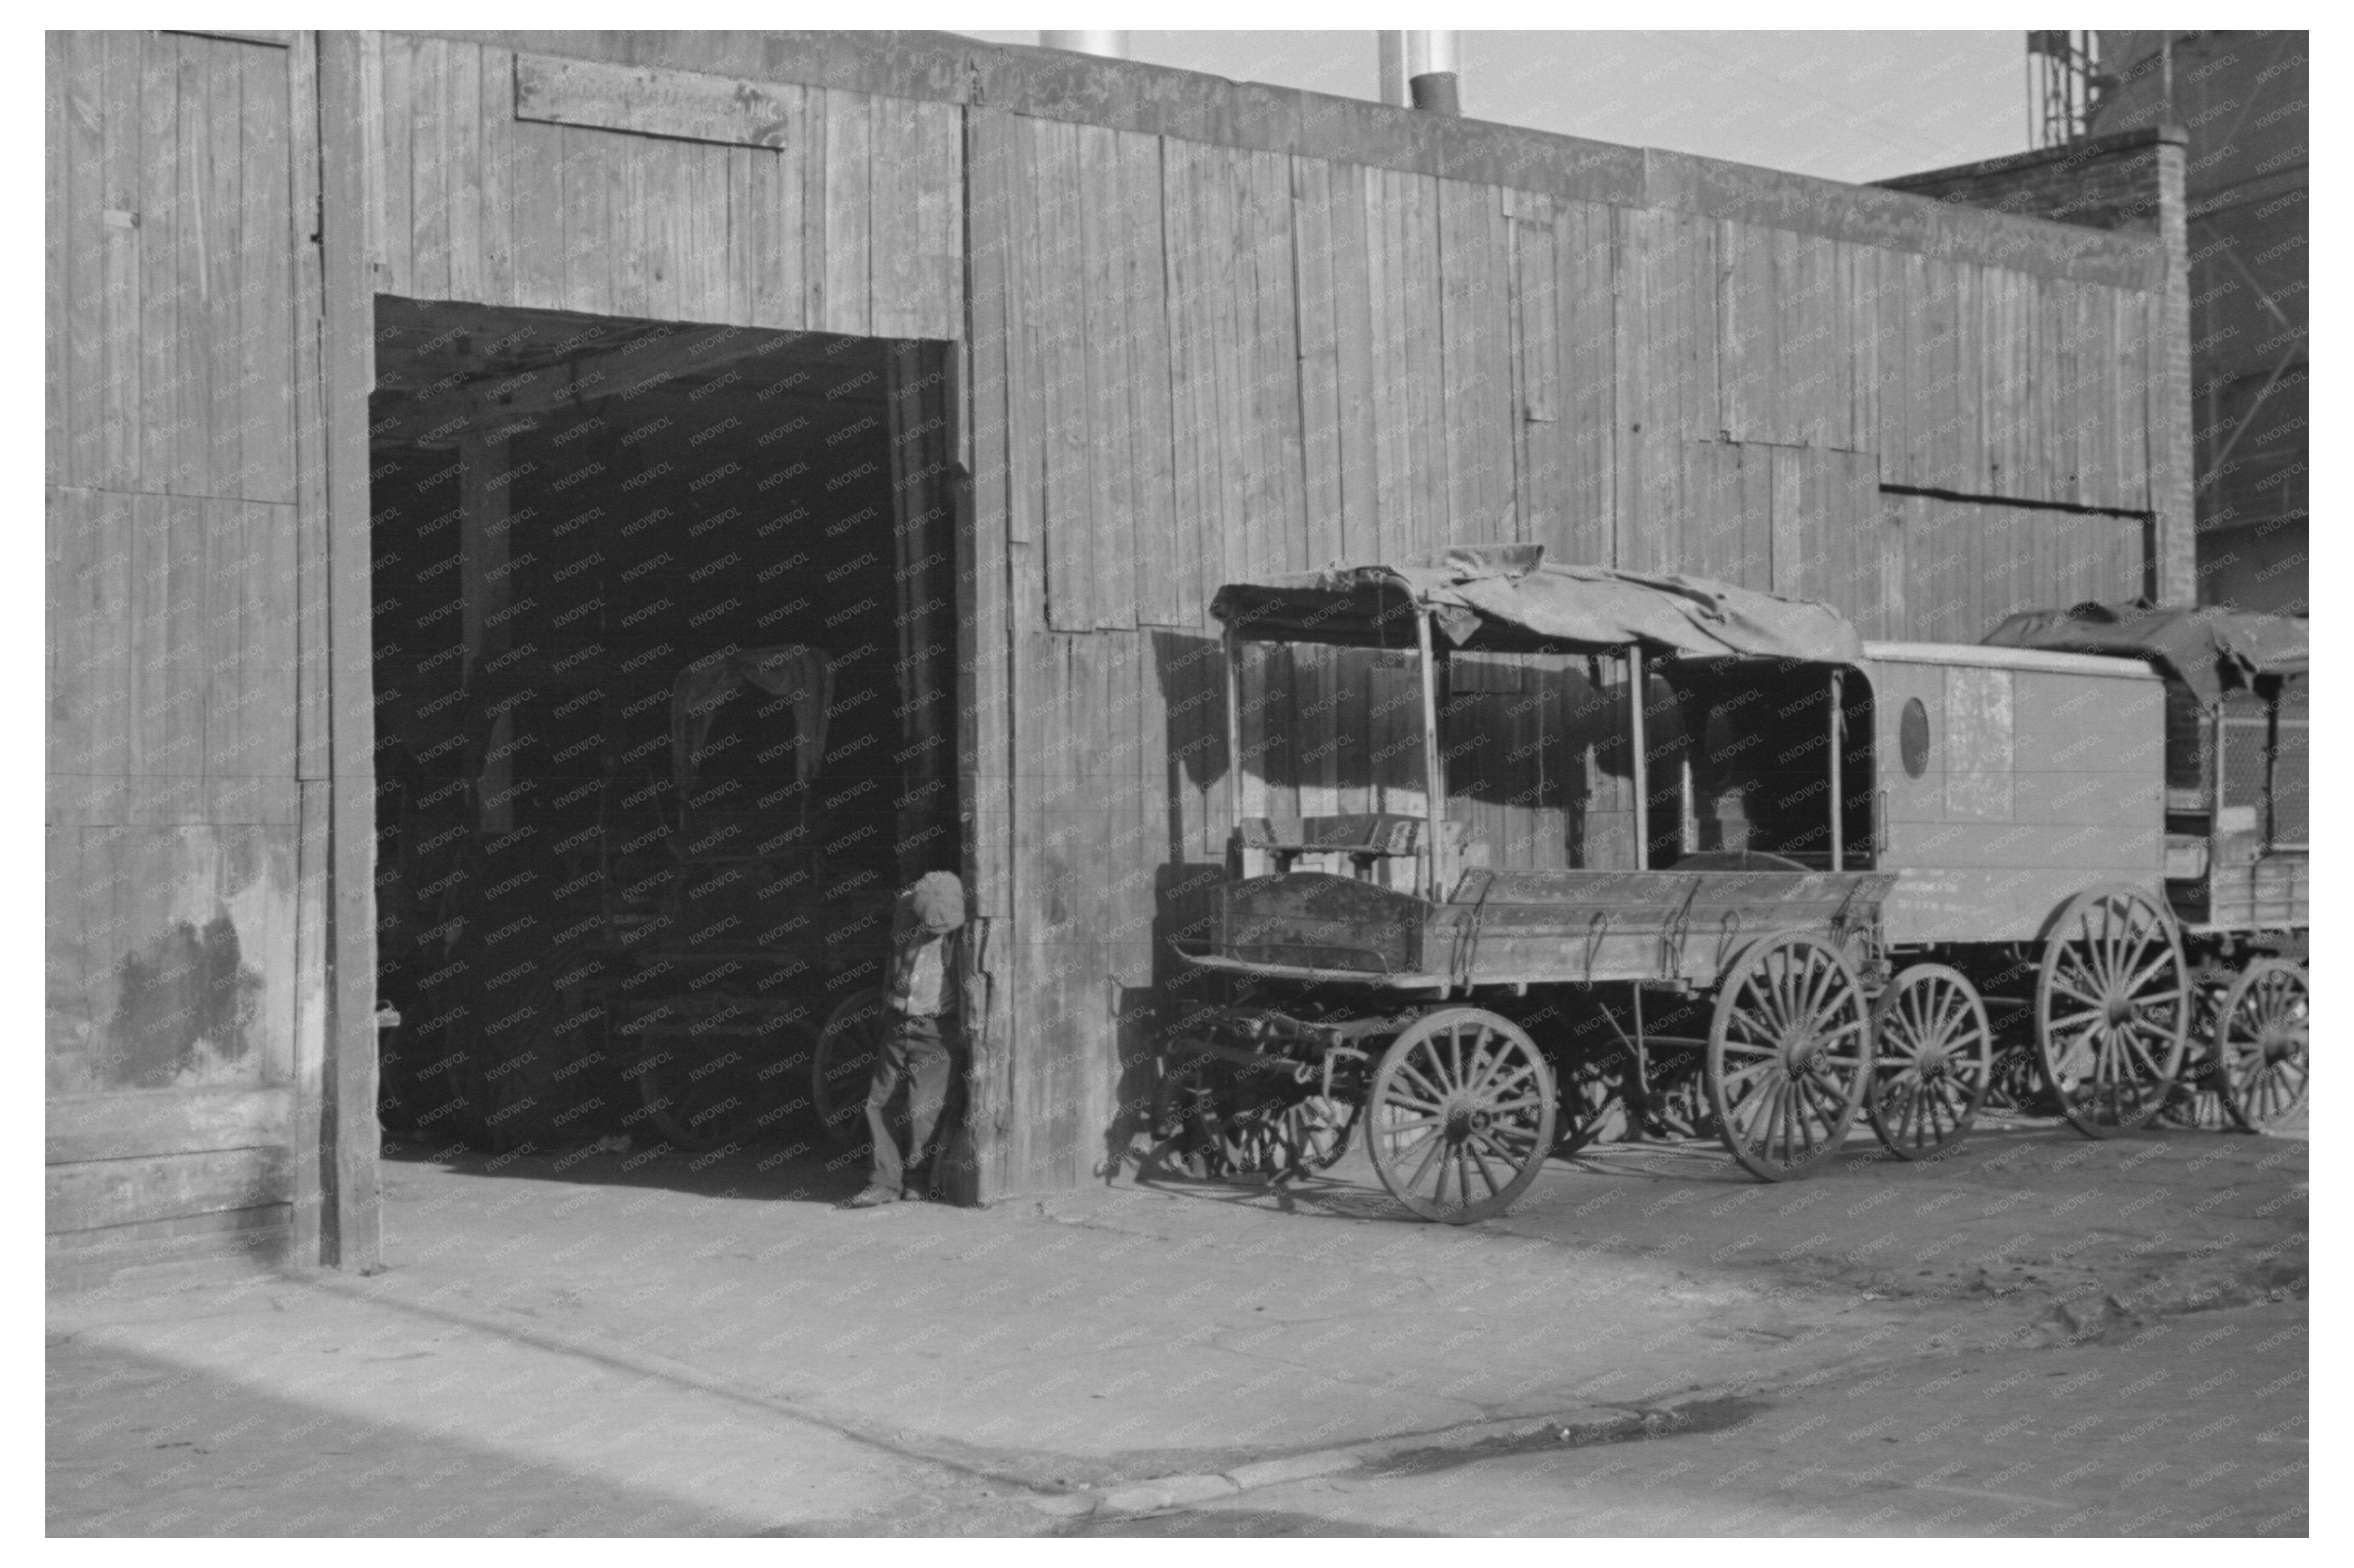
[(911, 1195), (872, 1198)]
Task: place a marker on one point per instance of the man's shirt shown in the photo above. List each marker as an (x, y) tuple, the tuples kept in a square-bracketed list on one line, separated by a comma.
[(923, 981)]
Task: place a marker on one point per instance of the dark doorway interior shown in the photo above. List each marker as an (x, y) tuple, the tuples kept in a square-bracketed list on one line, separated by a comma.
[(664, 628)]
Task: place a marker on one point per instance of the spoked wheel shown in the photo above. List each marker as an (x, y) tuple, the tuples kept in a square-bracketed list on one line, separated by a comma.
[(2195, 1104), (1213, 1116), (2112, 1010), (2260, 1039), (1461, 1114), (843, 1067), (1788, 1053), (1593, 1102), (1933, 1058)]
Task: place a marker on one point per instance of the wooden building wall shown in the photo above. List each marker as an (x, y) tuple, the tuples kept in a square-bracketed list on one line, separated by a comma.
[(188, 793), (1207, 330), (1222, 361)]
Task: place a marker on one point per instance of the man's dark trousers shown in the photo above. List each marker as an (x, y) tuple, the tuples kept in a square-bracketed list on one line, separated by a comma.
[(914, 1053)]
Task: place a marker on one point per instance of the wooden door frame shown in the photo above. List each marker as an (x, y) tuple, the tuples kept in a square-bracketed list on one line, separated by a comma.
[(337, 658)]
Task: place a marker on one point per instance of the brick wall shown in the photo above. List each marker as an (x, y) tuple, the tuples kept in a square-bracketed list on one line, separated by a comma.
[(2131, 181)]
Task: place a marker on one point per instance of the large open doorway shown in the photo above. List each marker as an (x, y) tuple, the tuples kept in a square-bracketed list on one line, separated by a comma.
[(664, 629)]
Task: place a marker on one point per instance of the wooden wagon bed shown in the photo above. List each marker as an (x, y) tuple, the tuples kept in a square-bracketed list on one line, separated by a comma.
[(1526, 928)]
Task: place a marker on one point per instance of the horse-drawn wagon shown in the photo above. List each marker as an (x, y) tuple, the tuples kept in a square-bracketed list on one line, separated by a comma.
[(1865, 878)]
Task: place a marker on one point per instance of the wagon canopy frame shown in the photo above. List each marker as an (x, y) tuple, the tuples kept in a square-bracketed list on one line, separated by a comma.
[(1507, 599), (2210, 650)]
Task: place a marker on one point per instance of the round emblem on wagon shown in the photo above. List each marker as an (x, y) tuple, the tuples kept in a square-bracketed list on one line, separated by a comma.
[(1913, 738)]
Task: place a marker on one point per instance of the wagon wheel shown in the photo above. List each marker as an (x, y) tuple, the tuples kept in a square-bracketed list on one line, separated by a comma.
[(1789, 1049), (842, 1066), (2195, 1104), (1213, 1116), (1932, 1057), (2112, 1010), (1593, 1102), (2261, 1040), (1460, 1116)]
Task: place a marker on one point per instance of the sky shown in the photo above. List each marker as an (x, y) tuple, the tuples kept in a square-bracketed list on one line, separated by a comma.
[(1843, 105)]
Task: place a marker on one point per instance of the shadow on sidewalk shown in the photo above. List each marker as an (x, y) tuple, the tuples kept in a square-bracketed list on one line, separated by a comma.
[(139, 1446), (784, 1171)]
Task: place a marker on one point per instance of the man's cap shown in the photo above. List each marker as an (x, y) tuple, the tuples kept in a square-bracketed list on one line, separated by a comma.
[(938, 899)]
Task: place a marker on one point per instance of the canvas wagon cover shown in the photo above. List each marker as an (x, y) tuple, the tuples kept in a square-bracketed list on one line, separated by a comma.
[(1508, 598), (2210, 651)]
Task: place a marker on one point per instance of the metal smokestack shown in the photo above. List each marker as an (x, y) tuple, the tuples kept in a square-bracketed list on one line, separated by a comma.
[(1109, 44), (1418, 71)]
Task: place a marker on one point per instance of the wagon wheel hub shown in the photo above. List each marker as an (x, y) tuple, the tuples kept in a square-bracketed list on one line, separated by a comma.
[(2120, 1011), (1466, 1120)]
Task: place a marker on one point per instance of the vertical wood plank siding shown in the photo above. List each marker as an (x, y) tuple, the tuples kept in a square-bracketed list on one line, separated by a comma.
[(181, 178), (1328, 361), (1185, 363), (853, 223)]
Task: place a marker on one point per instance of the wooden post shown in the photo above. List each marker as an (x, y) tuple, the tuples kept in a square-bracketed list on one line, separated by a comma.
[(1642, 762), (351, 1217), (1434, 765), (1839, 745), (1234, 650)]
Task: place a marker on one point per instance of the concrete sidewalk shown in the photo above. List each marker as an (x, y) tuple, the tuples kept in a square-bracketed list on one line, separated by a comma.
[(618, 1344)]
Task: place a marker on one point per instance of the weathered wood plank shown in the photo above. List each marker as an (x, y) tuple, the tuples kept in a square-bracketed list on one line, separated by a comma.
[(1108, 439), (351, 1198), (114, 193), (540, 216), (1631, 244), (1069, 514), (1427, 471), (397, 59), (495, 107), (849, 206), (703, 255), (57, 197), (1319, 370), (779, 294), (155, 199), (72, 678), (307, 672), (1587, 299), (226, 300), (462, 98), (1468, 415), (1278, 488), (736, 165), (123, 1192), (83, 81), (1231, 552), (1354, 311), (432, 151), (985, 692), (268, 238), (82, 1127), (654, 101), (1540, 462), (587, 242), (892, 236), (938, 304), (1385, 361), (1164, 568)]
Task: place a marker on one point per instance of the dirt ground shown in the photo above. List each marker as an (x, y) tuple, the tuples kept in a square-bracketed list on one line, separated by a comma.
[(657, 1344)]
